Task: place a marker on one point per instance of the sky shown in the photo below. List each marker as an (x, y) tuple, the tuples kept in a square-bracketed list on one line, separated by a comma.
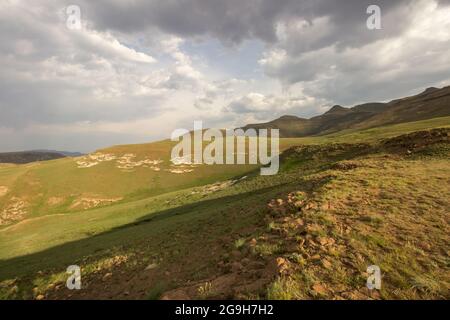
[(136, 70)]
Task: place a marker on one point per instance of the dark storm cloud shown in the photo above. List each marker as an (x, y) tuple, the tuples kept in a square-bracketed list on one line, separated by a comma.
[(233, 21)]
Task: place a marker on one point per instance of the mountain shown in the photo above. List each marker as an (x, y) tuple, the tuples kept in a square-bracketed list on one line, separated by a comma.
[(431, 103), (22, 157)]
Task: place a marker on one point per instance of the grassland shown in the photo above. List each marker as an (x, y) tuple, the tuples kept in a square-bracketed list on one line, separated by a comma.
[(179, 236)]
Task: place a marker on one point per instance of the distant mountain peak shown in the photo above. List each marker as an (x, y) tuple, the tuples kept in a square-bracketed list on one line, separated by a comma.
[(336, 109), (288, 117)]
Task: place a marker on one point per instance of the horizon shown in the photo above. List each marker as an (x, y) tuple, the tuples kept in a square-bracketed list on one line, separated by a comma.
[(110, 82), (49, 149)]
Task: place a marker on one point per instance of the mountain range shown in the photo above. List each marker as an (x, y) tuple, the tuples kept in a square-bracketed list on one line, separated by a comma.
[(431, 103)]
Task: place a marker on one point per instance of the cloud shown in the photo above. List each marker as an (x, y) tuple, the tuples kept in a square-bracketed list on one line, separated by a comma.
[(387, 67), (267, 107), (136, 70)]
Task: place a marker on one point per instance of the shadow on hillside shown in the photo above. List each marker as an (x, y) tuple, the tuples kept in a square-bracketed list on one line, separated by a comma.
[(61, 256)]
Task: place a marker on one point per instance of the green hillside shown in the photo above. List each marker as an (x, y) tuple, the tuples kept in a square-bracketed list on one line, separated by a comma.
[(339, 203)]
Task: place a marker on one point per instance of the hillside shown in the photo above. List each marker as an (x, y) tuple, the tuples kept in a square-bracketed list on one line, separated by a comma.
[(307, 233), (429, 104)]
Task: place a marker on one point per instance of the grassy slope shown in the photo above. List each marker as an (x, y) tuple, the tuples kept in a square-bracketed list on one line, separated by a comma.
[(123, 236), (52, 187)]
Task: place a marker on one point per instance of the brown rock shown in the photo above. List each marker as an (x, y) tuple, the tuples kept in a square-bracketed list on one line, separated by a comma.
[(319, 289), (327, 264), (315, 257), (283, 266)]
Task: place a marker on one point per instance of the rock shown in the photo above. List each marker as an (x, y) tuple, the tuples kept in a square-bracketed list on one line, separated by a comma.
[(312, 243), (283, 266), (315, 257), (151, 266), (319, 289), (280, 261), (324, 241), (107, 276), (327, 264)]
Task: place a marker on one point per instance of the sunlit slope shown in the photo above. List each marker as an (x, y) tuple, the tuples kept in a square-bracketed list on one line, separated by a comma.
[(126, 173), (382, 203), (113, 175)]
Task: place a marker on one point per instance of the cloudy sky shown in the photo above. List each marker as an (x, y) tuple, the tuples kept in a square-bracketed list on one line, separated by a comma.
[(136, 70)]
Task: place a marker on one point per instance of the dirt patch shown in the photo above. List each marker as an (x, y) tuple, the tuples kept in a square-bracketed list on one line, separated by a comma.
[(88, 203), (3, 190), (54, 201)]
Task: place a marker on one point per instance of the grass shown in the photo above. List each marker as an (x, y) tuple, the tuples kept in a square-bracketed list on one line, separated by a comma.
[(388, 210)]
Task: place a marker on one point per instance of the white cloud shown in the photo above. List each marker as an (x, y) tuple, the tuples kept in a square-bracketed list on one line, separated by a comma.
[(261, 107), (131, 72), (385, 68)]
